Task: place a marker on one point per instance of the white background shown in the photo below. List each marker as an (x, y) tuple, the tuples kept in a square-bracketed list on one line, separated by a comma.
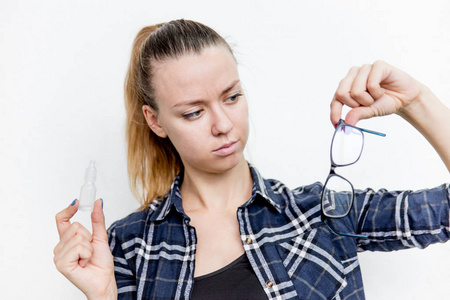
[(62, 66)]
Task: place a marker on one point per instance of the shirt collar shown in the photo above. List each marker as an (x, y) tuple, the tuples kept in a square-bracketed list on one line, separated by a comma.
[(172, 200), (262, 189)]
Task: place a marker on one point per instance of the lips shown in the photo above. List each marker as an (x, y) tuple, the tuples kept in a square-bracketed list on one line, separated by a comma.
[(226, 149)]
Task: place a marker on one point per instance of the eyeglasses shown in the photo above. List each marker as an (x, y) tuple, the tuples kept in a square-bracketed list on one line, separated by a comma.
[(338, 193)]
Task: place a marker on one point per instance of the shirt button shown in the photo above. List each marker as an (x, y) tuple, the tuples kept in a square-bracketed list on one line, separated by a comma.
[(249, 241), (269, 284)]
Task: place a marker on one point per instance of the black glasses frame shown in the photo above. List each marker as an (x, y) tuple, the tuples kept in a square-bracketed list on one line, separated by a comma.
[(332, 174)]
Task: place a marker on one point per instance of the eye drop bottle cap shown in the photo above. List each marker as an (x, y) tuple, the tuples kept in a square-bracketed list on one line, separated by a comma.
[(88, 189), (91, 172)]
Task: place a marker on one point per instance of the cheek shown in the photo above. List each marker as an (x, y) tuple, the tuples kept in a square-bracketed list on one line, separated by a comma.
[(241, 118), (188, 139)]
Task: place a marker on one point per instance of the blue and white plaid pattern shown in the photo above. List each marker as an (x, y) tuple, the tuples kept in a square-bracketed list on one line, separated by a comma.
[(294, 254)]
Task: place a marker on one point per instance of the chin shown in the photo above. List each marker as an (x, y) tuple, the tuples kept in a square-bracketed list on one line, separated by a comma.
[(227, 165), (219, 165)]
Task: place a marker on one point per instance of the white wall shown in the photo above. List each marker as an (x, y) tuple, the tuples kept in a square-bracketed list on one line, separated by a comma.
[(62, 65)]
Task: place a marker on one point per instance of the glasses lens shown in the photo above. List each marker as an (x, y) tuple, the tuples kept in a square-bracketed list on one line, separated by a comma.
[(346, 146), (337, 197)]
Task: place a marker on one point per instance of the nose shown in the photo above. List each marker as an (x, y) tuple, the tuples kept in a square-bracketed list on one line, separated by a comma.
[(221, 123)]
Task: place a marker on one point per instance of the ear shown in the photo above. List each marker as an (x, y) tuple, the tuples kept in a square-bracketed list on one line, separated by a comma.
[(153, 122)]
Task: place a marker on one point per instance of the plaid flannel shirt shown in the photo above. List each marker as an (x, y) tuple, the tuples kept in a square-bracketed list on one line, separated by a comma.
[(294, 254)]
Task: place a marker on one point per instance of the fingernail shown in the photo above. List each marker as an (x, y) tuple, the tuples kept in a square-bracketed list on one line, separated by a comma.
[(73, 202), (102, 202), (335, 125)]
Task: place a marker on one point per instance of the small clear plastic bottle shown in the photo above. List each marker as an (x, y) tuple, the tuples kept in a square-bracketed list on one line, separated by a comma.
[(88, 189)]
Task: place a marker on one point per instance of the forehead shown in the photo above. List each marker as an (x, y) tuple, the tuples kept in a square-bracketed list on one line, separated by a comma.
[(193, 76)]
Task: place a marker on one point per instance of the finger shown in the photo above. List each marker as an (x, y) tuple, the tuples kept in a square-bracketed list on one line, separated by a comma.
[(85, 251), (343, 92), (83, 262), (71, 259), (98, 222), (63, 247), (380, 71), (359, 90), (335, 111), (359, 113), (75, 229), (64, 216)]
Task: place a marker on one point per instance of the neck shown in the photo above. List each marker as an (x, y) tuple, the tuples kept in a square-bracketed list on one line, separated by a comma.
[(216, 192)]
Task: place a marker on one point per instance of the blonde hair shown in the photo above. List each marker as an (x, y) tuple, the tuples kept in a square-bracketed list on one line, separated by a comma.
[(153, 162)]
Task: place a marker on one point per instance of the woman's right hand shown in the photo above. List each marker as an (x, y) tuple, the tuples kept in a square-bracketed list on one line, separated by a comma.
[(86, 259)]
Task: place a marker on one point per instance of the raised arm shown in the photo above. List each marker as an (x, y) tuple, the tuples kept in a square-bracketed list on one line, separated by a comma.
[(380, 89)]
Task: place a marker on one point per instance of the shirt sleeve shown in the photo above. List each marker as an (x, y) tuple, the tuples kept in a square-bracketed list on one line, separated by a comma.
[(125, 278), (394, 220)]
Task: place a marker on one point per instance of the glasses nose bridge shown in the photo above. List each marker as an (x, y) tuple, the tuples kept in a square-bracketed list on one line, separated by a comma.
[(332, 169)]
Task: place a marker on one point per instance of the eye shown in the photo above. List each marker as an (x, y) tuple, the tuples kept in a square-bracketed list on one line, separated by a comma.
[(233, 98), (193, 115)]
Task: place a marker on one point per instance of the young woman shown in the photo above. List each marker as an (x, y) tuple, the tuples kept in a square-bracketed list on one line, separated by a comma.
[(210, 227)]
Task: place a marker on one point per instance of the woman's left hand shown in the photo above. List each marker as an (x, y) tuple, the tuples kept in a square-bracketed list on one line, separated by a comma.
[(374, 90)]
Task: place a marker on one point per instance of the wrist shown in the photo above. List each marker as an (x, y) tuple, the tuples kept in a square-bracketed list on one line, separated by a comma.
[(110, 293), (421, 108), (432, 119)]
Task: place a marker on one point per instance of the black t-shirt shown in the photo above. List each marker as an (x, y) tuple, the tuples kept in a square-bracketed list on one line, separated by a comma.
[(234, 281)]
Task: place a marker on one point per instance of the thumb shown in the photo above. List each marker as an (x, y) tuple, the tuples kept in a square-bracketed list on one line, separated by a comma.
[(98, 222), (359, 113)]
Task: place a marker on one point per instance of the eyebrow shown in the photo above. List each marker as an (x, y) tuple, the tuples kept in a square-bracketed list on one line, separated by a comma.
[(196, 102)]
